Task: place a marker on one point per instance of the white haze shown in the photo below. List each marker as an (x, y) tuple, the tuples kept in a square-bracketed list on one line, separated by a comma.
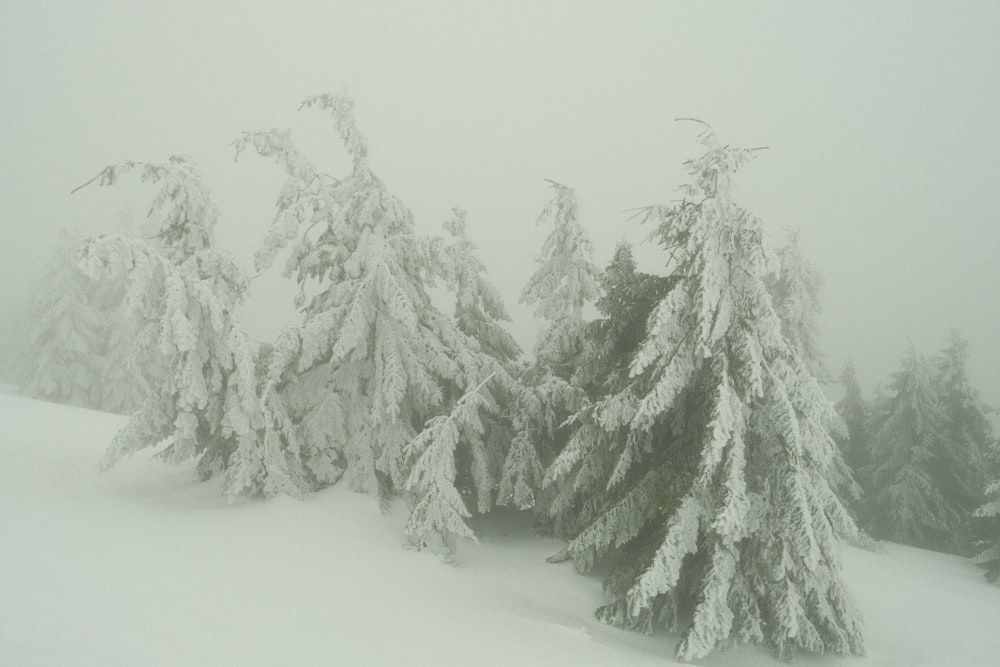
[(881, 122)]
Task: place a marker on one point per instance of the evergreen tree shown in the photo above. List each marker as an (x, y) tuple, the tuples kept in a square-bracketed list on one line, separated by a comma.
[(967, 428), (795, 290), (611, 341), (725, 507), (564, 281), (66, 351), (988, 515), (376, 376), (208, 407), (914, 466), (856, 413), (479, 308), (82, 348)]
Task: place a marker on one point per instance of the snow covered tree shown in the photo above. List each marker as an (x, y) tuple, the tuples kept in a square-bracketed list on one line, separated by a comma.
[(81, 350), (479, 308), (564, 281), (967, 427), (376, 376), (66, 350), (910, 480), (988, 514), (856, 413), (610, 342), (725, 511), (795, 288), (208, 407)]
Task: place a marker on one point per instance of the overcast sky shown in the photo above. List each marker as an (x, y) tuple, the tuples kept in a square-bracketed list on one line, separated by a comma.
[(882, 121)]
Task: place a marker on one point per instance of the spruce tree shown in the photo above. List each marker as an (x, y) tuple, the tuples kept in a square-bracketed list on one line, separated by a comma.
[(209, 406), (610, 342), (479, 308), (66, 351), (856, 413), (722, 448), (909, 482), (376, 376), (565, 280), (988, 516), (83, 346), (967, 427), (795, 288)]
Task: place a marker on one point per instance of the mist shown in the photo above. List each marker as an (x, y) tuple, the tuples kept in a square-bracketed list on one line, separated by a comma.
[(879, 122)]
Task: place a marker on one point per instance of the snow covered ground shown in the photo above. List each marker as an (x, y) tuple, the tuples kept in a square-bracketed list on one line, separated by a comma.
[(144, 566)]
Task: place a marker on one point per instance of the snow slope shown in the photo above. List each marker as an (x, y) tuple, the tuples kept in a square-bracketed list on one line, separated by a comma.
[(144, 566)]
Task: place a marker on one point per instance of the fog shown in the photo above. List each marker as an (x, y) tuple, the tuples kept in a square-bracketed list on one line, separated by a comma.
[(880, 119)]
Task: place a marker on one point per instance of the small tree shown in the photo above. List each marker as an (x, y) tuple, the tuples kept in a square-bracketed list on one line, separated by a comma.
[(988, 515), (83, 346), (856, 413), (967, 427), (479, 308), (565, 280), (911, 457), (66, 352)]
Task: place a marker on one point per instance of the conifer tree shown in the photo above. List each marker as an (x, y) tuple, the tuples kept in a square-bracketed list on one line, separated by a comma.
[(913, 466), (208, 407), (82, 347), (479, 308), (988, 514), (795, 288), (564, 281), (611, 341), (376, 376), (66, 351), (724, 502), (856, 414), (967, 427)]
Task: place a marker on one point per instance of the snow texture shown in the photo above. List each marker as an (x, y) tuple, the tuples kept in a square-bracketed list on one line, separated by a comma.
[(143, 566)]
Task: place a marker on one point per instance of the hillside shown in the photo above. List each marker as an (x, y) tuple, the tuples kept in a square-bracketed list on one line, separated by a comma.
[(144, 566)]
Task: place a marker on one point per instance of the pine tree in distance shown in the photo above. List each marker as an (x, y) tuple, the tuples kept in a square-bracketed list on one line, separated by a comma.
[(66, 352), (911, 456), (84, 346), (988, 513), (968, 428), (856, 414), (724, 501)]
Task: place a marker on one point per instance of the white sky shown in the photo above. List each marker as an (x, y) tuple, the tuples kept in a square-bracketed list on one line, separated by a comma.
[(881, 121)]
